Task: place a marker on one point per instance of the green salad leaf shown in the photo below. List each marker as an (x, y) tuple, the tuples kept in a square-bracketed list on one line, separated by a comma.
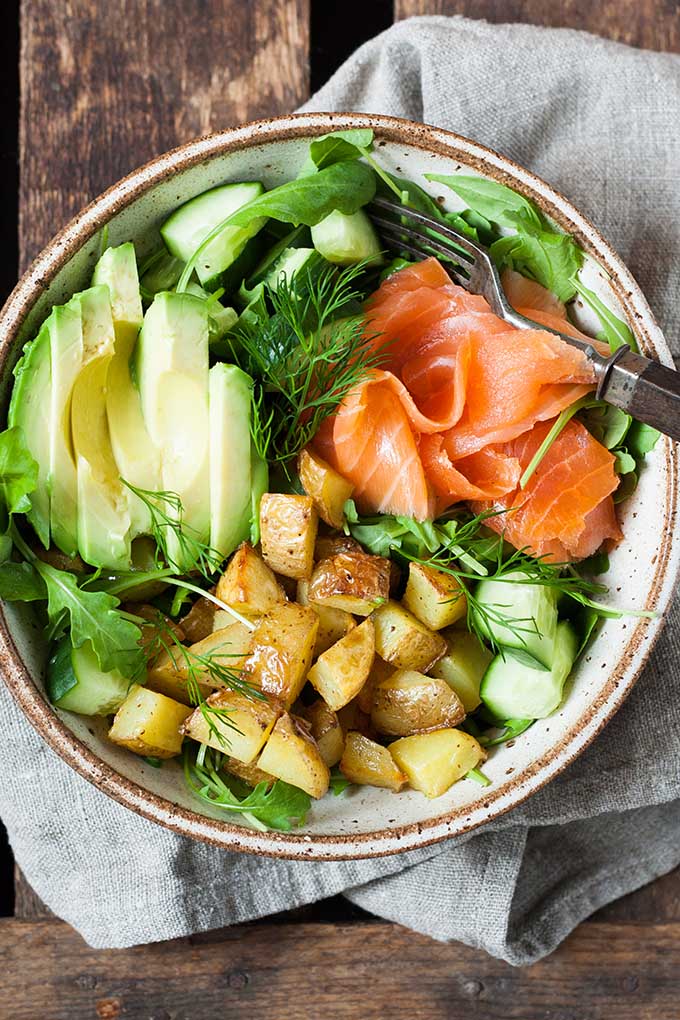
[(338, 782), (21, 582), (279, 806), (607, 423), (496, 202), (550, 258), (340, 146), (615, 331), (641, 439), (18, 471), (60, 677)]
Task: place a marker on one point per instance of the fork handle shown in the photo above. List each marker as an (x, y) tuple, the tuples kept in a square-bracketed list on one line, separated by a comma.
[(647, 390)]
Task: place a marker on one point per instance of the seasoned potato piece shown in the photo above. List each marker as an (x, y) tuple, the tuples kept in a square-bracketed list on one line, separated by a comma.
[(380, 670), (288, 527), (333, 623), (329, 490), (330, 545), (223, 619), (463, 666), (244, 724), (148, 723), (403, 640), (370, 764), (341, 672), (353, 581), (248, 584), (434, 597), (351, 717), (199, 621), (227, 647), (410, 702), (435, 761), (249, 773), (291, 754), (153, 615), (281, 651), (326, 730)]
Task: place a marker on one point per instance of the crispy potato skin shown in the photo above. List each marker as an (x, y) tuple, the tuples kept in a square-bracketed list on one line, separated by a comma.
[(329, 490), (410, 702), (330, 545), (333, 623), (281, 651), (253, 718), (340, 673), (149, 723), (326, 731), (434, 761), (291, 754), (370, 764), (248, 584), (401, 639), (199, 621), (434, 597), (288, 526), (353, 581), (170, 672)]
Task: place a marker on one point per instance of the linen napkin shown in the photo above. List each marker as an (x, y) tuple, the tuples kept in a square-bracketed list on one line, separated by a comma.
[(599, 121)]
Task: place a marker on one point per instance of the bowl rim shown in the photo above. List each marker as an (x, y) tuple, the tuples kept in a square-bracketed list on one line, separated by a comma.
[(622, 676)]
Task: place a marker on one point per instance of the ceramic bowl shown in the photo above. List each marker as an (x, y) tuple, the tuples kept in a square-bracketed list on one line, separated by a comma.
[(365, 821)]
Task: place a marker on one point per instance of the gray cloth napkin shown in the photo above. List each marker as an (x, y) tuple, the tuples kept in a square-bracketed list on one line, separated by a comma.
[(599, 121)]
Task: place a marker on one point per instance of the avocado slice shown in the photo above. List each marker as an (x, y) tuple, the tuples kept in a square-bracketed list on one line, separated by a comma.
[(29, 410), (103, 512), (136, 456), (230, 391), (66, 357), (171, 367)]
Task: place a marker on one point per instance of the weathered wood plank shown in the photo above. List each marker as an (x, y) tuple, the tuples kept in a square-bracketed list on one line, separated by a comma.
[(652, 24), (105, 87), (296, 972)]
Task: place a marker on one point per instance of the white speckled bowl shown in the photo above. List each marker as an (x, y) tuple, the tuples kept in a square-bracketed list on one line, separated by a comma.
[(366, 821)]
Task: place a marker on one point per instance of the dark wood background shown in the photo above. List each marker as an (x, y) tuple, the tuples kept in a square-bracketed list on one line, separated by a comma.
[(89, 90)]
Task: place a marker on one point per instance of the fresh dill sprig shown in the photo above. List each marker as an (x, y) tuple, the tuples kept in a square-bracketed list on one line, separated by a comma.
[(169, 529), (305, 359), (198, 666)]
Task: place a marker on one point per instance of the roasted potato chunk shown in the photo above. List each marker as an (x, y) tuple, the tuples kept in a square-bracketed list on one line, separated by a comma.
[(243, 723), (326, 730), (433, 596), (370, 764), (341, 672), (223, 619), (404, 641), (249, 773), (333, 623), (380, 670), (410, 702), (170, 672), (292, 755), (199, 621), (288, 526), (330, 545), (463, 666), (353, 581), (435, 761), (248, 584), (281, 651), (351, 717), (148, 723), (329, 490)]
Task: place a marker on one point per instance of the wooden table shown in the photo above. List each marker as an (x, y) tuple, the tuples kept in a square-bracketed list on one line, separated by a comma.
[(104, 87)]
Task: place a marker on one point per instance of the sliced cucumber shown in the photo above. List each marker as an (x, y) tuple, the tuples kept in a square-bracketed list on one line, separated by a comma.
[(186, 229), (162, 274), (221, 318), (347, 239), (300, 237), (513, 690), (531, 614), (290, 262), (76, 682)]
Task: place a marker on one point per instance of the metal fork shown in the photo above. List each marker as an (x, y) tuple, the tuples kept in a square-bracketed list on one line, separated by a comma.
[(644, 388)]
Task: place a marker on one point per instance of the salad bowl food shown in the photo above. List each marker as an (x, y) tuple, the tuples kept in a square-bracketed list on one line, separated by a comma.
[(324, 521)]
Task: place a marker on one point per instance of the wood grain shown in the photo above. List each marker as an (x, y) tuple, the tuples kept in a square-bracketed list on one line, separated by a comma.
[(107, 86), (651, 24), (347, 972)]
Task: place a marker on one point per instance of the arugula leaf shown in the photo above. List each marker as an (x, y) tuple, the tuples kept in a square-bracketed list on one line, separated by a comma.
[(21, 582), (18, 471), (93, 617), (338, 782), (641, 439), (280, 806), (615, 331), (340, 146), (494, 201)]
